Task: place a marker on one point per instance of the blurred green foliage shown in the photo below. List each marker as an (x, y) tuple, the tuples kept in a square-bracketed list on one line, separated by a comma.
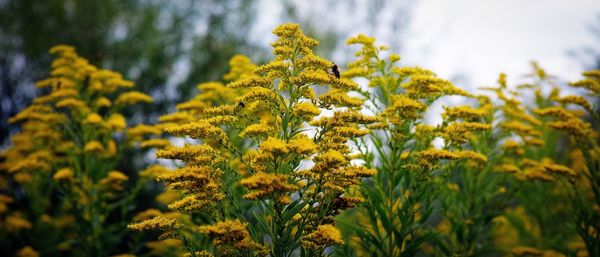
[(166, 47)]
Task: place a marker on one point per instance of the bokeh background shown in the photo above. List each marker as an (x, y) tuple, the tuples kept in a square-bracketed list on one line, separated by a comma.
[(168, 47)]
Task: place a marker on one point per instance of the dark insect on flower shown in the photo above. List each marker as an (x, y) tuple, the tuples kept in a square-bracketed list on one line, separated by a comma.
[(335, 70), (339, 204), (241, 105)]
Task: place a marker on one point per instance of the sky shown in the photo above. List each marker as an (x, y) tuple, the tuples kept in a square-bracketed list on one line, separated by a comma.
[(479, 39)]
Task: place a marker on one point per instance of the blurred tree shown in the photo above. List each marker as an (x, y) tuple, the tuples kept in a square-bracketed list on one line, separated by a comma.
[(161, 45)]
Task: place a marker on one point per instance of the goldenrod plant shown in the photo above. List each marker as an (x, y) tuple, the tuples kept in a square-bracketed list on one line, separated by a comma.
[(211, 95), (582, 179), (62, 192), (293, 166), (411, 172)]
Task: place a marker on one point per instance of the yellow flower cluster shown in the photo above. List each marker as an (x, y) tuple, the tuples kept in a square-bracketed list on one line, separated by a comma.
[(323, 236), (265, 184), (157, 222), (70, 142), (252, 134), (232, 235), (466, 113)]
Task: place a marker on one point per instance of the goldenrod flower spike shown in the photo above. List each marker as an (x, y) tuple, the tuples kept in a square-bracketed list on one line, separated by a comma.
[(231, 234), (325, 235), (160, 223)]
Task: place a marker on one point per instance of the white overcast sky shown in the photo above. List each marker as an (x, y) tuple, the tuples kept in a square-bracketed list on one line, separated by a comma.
[(482, 38), (470, 41)]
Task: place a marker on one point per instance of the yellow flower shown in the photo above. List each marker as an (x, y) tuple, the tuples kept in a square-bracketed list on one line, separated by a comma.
[(111, 149), (325, 235), (431, 155), (203, 253), (22, 178), (192, 105), (114, 180), (356, 72), (103, 102), (156, 143), (574, 127), (264, 184), (63, 174), (64, 93), (361, 39), (344, 84), (60, 49), (339, 97), (27, 251), (15, 223), (193, 203), (133, 97), (200, 182), (153, 171), (290, 35), (589, 84), (164, 247), (258, 94), (274, 145), (223, 110), (536, 174), (350, 132), (147, 214), (410, 71), (241, 67), (559, 169), (461, 132), (3, 208), (142, 130), (329, 160), (312, 77), (74, 104), (273, 66), (314, 61), (232, 233), (426, 86), (6, 199), (93, 147), (116, 176), (186, 153), (251, 82), (508, 168), (199, 130), (167, 197), (472, 155), (524, 250), (177, 117), (520, 128), (156, 223), (558, 112), (305, 110), (453, 186), (466, 113), (404, 107), (93, 118), (302, 145), (116, 122), (259, 130), (573, 99)]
